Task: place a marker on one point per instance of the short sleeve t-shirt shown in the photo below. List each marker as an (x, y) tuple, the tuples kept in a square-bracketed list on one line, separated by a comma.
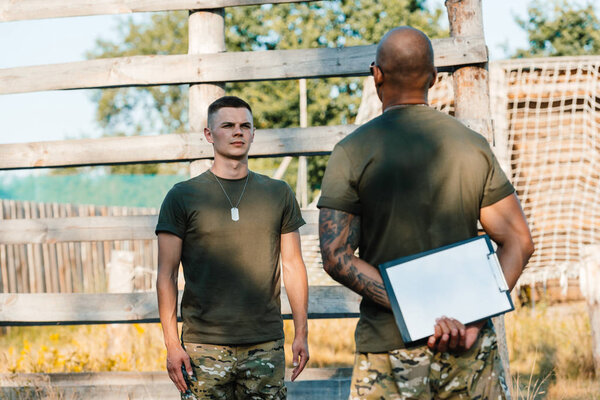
[(231, 268), (418, 179)]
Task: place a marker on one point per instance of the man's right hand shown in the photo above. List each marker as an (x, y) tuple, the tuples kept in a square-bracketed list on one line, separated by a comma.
[(176, 358), (451, 335)]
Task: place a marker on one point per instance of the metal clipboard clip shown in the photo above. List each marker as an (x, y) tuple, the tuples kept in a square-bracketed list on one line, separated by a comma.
[(497, 272)]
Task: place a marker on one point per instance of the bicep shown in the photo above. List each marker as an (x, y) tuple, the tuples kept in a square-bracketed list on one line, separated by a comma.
[(169, 251), (338, 230), (504, 220)]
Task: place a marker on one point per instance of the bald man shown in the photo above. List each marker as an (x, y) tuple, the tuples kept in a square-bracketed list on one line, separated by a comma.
[(408, 181)]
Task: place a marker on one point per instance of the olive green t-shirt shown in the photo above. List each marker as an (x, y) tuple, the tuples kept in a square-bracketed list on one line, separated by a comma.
[(418, 179), (231, 268)]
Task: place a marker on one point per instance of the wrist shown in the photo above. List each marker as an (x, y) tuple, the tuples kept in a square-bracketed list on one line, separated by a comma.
[(301, 332), (172, 344)]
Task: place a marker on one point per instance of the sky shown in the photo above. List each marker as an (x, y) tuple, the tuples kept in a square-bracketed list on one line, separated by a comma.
[(57, 115)]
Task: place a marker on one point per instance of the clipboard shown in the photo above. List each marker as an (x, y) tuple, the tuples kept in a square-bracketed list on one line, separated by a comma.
[(463, 281)]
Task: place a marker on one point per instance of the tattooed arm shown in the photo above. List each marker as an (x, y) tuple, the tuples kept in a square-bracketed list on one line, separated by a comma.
[(339, 234)]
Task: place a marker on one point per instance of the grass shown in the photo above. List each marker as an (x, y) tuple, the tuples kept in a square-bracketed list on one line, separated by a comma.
[(549, 349), (82, 348), (550, 352)]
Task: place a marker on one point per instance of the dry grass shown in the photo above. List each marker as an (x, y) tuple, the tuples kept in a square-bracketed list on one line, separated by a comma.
[(549, 349), (575, 389), (82, 348), (330, 342), (550, 352)]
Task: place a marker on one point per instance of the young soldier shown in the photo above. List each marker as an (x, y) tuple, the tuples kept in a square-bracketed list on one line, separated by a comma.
[(409, 181), (228, 227)]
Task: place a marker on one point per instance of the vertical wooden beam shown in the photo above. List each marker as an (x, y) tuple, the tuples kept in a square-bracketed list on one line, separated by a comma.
[(120, 280), (45, 259), (302, 181), (472, 102), (206, 34), (3, 257), (499, 113), (589, 281), (471, 83)]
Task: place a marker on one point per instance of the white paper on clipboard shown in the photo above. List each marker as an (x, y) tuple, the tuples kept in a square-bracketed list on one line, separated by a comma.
[(462, 281)]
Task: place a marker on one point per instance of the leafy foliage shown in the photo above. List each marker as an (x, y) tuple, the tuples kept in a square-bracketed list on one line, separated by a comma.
[(163, 109), (560, 28)]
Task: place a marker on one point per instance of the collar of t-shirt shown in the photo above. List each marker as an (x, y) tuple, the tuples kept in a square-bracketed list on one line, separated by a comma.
[(398, 106)]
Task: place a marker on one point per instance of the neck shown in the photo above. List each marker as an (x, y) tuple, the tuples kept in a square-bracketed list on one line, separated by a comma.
[(230, 169), (403, 98)]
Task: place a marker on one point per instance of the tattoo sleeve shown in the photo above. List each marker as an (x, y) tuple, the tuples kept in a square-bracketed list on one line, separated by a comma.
[(339, 236)]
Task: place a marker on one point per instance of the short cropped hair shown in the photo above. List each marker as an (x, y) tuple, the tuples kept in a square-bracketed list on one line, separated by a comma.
[(226, 101)]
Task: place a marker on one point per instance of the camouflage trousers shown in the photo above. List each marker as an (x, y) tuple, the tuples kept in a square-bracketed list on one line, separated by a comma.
[(418, 373), (252, 372)]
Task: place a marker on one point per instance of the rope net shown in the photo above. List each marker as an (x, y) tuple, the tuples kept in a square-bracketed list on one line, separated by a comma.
[(551, 110)]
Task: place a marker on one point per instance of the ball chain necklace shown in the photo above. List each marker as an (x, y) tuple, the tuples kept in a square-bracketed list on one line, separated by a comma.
[(235, 213)]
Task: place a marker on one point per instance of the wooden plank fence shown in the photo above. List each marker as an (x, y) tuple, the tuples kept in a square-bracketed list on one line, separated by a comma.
[(29, 264), (62, 249), (221, 67), (312, 384), (40, 9), (107, 308), (164, 148)]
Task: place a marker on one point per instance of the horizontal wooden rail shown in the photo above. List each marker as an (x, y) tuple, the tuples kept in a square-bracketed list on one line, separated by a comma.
[(85, 229), (221, 67), (104, 308), (132, 378), (38, 9), (312, 384), (164, 148), (174, 147)]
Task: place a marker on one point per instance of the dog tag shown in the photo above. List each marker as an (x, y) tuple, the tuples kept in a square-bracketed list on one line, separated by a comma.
[(235, 214)]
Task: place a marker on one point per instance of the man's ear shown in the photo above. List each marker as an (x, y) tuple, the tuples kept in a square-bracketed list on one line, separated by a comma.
[(378, 81), (433, 78), (252, 136), (377, 76), (208, 135)]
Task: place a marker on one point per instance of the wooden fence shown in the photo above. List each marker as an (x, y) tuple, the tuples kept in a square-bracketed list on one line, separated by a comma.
[(206, 67), (42, 260), (55, 266)]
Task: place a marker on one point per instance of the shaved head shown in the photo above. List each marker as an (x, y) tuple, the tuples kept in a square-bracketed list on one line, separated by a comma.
[(405, 55)]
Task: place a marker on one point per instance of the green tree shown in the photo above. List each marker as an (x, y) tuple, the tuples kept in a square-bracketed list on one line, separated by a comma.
[(331, 101), (560, 28)]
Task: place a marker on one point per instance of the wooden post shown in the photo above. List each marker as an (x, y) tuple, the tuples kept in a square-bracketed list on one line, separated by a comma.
[(589, 281), (206, 35), (120, 280), (471, 83), (285, 162), (472, 103), (302, 181), (499, 106)]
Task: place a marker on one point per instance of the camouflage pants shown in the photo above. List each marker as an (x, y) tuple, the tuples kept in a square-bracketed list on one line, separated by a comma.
[(252, 372), (417, 373)]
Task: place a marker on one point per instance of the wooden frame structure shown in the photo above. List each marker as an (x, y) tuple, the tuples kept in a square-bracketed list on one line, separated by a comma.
[(206, 67)]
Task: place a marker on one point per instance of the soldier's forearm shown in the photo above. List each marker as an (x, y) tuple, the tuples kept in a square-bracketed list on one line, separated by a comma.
[(296, 285), (359, 276), (339, 234), (166, 291)]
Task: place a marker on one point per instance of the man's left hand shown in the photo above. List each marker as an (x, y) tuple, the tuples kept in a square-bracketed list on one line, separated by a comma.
[(300, 355)]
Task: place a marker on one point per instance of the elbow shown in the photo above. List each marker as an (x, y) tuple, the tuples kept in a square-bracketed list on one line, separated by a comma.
[(166, 279), (525, 247), (528, 248), (329, 263)]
